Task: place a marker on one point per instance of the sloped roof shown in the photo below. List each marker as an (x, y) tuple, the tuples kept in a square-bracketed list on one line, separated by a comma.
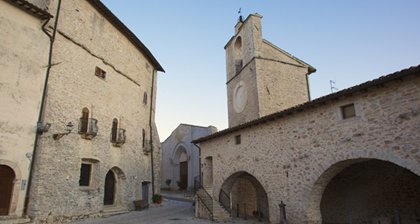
[(311, 69), (104, 11), (31, 8), (415, 70)]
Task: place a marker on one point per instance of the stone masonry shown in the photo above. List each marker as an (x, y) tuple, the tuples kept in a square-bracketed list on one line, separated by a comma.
[(101, 68), (320, 161)]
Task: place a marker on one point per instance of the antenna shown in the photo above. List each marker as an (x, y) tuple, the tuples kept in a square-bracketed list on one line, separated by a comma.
[(332, 86)]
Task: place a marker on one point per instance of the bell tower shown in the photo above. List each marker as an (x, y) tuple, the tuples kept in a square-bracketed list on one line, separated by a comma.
[(261, 78)]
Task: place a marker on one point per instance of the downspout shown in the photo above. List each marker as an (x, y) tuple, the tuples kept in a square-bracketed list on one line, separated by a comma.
[(42, 106), (151, 132), (307, 86)]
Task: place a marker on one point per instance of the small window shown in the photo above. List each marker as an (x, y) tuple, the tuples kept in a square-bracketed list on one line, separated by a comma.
[(85, 173), (238, 139), (145, 98), (238, 55), (84, 120), (348, 111), (114, 130), (100, 73)]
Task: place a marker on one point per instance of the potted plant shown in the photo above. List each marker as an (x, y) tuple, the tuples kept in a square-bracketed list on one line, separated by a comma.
[(168, 183), (157, 198)]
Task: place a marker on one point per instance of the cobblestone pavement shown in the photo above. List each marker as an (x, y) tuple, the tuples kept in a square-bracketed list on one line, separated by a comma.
[(170, 212)]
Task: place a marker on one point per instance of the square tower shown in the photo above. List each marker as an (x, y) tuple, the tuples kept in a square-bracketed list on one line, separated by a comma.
[(261, 78)]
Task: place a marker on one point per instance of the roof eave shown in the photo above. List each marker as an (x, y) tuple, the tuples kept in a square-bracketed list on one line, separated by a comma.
[(104, 11), (346, 92), (31, 9)]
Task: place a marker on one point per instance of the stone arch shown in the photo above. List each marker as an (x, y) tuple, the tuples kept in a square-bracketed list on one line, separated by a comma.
[(177, 152), (180, 159), (338, 170), (247, 196), (15, 188), (117, 178), (238, 54)]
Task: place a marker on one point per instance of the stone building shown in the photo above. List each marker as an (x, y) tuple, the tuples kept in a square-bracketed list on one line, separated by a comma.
[(349, 157), (180, 158), (22, 61), (102, 151)]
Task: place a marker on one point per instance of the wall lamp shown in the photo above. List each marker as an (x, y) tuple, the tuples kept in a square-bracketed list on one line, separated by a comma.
[(69, 128), (41, 128)]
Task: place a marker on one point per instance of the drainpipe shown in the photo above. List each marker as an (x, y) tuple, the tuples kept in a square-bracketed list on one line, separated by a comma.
[(307, 86), (151, 132), (42, 107)]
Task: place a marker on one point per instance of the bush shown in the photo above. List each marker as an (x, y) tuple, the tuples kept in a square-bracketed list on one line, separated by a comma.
[(157, 198), (168, 182)]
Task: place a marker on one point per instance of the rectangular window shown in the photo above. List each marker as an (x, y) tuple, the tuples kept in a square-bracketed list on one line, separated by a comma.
[(85, 173), (348, 111), (238, 139), (100, 73)]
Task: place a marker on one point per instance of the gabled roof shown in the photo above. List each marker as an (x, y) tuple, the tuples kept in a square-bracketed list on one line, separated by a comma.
[(31, 8), (311, 69), (415, 70), (104, 11)]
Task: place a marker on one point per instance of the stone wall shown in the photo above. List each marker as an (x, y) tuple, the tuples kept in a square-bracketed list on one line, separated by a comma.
[(86, 40), (295, 157), (23, 60), (358, 191)]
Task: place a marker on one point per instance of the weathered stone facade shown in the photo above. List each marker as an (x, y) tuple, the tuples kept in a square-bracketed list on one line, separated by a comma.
[(22, 62), (322, 164), (261, 78), (102, 80), (177, 149)]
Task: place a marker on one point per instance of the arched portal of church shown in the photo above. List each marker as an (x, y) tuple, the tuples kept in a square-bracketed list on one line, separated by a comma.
[(7, 177), (244, 196), (183, 170), (371, 191), (110, 188)]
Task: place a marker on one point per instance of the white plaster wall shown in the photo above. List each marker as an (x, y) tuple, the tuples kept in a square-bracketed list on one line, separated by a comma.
[(182, 137), (23, 60)]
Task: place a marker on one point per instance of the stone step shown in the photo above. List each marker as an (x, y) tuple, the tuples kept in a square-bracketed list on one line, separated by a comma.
[(15, 220), (108, 211)]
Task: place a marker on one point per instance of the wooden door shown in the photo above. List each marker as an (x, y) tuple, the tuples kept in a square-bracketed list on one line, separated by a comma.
[(183, 174), (109, 188), (145, 192), (7, 177)]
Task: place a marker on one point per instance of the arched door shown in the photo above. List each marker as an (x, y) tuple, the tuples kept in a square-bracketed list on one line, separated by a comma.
[(183, 170), (7, 177), (109, 195)]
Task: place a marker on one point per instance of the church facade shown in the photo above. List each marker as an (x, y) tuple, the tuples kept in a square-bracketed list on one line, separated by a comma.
[(349, 157), (180, 158)]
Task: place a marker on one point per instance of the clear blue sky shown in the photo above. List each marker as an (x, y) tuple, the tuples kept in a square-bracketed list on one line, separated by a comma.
[(349, 42)]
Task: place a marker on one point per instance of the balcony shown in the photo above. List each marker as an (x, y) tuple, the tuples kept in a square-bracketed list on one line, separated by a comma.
[(88, 128), (118, 138)]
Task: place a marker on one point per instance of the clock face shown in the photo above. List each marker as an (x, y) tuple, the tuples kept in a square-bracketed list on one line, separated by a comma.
[(240, 97)]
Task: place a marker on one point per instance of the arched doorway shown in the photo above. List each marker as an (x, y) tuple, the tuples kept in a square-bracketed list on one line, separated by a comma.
[(244, 196), (183, 170), (7, 177), (110, 187), (368, 191)]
